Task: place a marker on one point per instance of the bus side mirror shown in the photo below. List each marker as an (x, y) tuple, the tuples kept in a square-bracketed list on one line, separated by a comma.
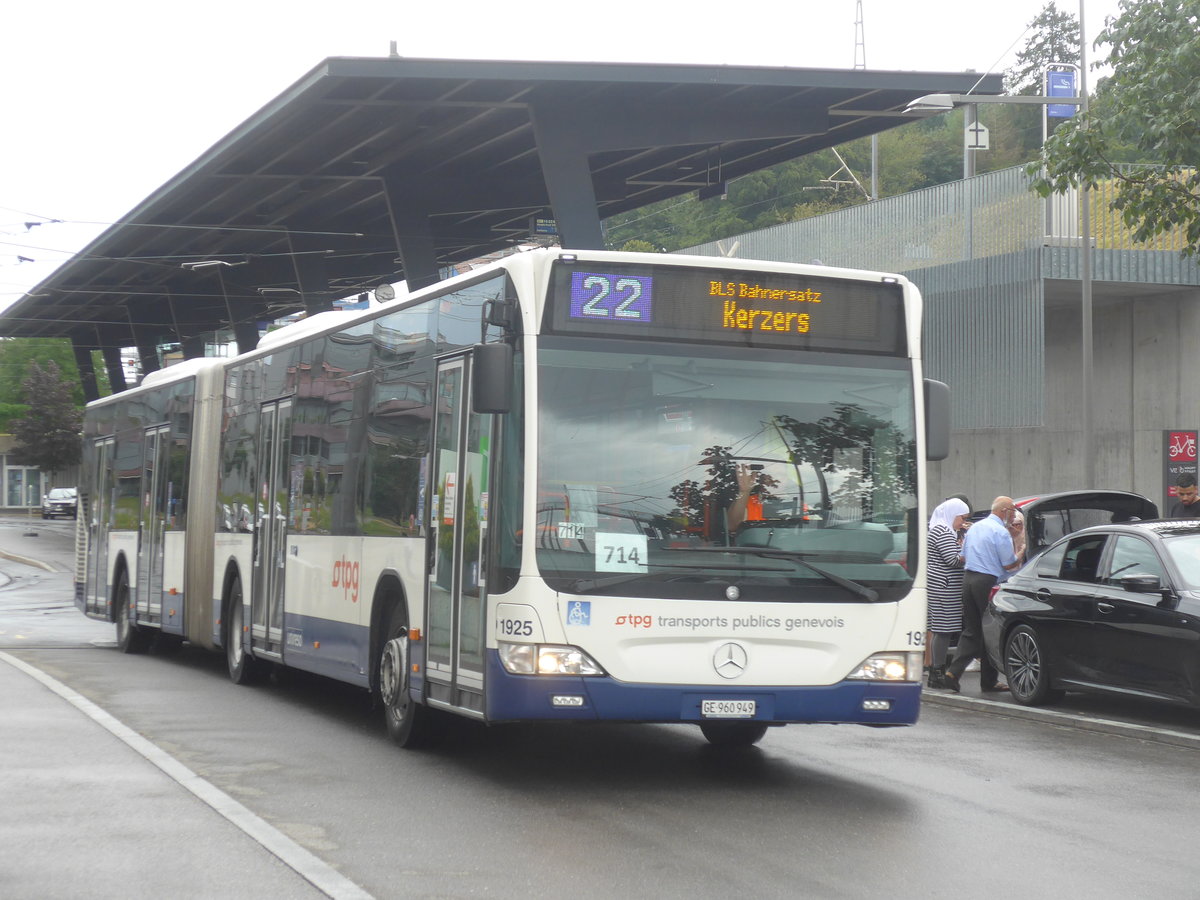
[(937, 420), (491, 378)]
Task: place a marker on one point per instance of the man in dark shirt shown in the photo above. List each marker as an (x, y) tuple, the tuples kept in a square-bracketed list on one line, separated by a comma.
[(1187, 506)]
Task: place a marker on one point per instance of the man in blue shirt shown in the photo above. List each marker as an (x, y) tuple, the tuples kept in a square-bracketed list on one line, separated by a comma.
[(988, 558)]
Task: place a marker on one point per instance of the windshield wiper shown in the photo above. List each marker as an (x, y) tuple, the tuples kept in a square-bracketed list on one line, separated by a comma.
[(595, 584), (853, 587)]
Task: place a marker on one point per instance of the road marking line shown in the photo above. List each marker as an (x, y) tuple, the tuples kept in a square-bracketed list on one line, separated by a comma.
[(319, 873)]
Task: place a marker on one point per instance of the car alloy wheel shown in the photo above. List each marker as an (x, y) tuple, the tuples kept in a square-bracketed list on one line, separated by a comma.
[(1025, 663)]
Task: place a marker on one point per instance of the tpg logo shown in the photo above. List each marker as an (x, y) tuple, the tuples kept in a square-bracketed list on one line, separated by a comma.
[(345, 576)]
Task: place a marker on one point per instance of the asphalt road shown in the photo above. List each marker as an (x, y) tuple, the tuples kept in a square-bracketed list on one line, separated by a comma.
[(976, 799)]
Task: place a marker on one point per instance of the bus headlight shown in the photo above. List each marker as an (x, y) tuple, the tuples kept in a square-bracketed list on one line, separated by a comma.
[(546, 659), (889, 667)]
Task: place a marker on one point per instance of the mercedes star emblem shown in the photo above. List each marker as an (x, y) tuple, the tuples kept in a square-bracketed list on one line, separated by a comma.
[(730, 660)]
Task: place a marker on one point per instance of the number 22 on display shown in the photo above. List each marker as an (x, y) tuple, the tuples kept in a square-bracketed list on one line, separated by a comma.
[(618, 298)]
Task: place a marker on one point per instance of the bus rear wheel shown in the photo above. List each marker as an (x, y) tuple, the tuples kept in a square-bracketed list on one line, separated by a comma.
[(131, 638), (243, 668), (733, 734), (407, 720)]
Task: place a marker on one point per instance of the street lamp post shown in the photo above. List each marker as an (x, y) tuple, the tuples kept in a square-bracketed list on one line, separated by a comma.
[(932, 104), (1085, 281)]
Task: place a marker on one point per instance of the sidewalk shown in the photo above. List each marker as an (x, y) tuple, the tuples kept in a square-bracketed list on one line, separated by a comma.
[(91, 808), (86, 815)]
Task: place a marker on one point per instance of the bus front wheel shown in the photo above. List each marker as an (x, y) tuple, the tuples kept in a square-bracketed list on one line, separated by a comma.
[(407, 720)]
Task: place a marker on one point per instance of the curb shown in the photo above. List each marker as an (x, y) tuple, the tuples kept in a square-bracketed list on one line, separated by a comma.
[(1065, 719), (29, 561)]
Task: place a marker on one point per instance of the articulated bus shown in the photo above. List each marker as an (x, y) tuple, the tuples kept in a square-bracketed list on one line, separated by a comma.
[(572, 486)]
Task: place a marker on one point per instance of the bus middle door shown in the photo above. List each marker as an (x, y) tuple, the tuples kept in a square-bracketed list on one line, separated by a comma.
[(458, 518), (270, 527), (152, 523)]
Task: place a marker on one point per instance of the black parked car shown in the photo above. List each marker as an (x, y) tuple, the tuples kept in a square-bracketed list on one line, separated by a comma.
[(1112, 608), (59, 502)]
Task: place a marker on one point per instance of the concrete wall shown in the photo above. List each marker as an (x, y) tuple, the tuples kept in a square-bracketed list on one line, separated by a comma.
[(1146, 379)]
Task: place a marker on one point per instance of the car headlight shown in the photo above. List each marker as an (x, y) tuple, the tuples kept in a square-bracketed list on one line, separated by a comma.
[(547, 659), (890, 667)]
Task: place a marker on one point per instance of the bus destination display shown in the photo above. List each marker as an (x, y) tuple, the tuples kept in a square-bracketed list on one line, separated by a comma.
[(757, 309)]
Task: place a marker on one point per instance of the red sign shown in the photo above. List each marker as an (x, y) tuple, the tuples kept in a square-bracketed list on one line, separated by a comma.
[(1179, 459), (1181, 446)]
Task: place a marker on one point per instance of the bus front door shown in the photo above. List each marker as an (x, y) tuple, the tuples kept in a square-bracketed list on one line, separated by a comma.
[(153, 523), (270, 527), (458, 519), (98, 522)]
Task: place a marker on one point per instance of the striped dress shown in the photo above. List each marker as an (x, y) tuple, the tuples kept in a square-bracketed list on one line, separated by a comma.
[(945, 579)]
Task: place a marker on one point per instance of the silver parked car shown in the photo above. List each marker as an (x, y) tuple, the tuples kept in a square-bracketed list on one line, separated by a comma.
[(60, 502)]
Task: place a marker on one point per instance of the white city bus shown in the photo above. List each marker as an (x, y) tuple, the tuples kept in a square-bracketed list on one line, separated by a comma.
[(573, 486)]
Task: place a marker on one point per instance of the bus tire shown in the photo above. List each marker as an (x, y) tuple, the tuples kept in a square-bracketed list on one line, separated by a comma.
[(131, 638), (243, 668), (407, 720), (733, 734)]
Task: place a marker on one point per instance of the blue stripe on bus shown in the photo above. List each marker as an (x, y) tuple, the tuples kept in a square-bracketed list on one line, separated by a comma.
[(343, 650), (342, 653), (173, 624), (528, 697)]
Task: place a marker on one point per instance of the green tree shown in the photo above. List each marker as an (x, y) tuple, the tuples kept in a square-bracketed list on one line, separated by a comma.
[(1055, 39), (16, 357), (48, 436), (1151, 104), (639, 246)]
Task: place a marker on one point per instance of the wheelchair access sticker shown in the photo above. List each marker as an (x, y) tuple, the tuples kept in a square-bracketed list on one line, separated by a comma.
[(579, 612)]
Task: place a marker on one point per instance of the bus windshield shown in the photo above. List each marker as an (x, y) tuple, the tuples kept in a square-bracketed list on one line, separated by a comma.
[(702, 473)]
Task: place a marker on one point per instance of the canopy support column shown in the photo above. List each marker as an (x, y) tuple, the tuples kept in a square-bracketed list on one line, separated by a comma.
[(414, 235), (561, 148), (87, 372)]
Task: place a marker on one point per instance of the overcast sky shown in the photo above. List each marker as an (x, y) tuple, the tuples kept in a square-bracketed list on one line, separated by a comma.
[(103, 102)]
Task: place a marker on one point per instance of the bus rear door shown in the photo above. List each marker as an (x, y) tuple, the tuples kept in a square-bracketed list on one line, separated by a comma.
[(98, 522)]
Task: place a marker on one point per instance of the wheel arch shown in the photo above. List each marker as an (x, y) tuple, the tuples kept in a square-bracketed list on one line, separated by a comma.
[(388, 595)]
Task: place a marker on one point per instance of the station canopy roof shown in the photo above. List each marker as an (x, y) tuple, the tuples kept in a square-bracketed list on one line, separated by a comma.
[(364, 164)]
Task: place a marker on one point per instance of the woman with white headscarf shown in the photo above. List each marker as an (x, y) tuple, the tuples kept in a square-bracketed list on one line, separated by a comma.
[(944, 583), (1017, 529)]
